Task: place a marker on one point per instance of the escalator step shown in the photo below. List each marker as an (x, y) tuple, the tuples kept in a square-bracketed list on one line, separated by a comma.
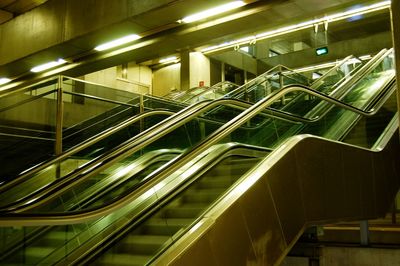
[(159, 226), (122, 260), (141, 244), (56, 238), (216, 182), (184, 211), (32, 255), (203, 196)]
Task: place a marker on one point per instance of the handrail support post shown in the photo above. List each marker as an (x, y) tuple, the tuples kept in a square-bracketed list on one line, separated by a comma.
[(59, 117)]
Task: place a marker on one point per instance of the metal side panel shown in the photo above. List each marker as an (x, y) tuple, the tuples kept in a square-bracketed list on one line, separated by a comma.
[(306, 181)]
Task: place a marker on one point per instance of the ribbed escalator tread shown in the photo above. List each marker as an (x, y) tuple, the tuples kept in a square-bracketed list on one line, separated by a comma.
[(141, 244), (122, 260), (184, 211), (168, 227)]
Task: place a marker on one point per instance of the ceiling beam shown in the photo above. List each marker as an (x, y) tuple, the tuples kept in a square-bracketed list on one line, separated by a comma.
[(5, 16)]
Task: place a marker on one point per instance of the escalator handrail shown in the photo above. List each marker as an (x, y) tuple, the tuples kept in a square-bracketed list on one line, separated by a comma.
[(157, 132), (340, 92), (326, 74), (213, 87), (256, 80), (80, 147), (369, 66)]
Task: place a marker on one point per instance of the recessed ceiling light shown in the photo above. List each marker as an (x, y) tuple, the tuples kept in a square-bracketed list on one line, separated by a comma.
[(48, 65), (4, 80), (213, 11), (168, 60), (117, 42)]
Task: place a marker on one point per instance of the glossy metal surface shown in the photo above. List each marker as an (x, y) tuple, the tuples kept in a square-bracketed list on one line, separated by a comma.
[(297, 187)]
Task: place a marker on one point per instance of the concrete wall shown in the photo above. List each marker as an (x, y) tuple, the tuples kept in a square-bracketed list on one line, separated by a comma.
[(136, 78), (238, 60), (357, 47), (41, 114), (199, 69), (215, 71), (166, 79)]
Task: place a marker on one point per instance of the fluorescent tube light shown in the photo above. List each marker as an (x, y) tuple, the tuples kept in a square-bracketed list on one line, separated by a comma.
[(300, 26), (48, 65), (4, 80), (117, 42), (213, 11), (168, 59), (245, 49)]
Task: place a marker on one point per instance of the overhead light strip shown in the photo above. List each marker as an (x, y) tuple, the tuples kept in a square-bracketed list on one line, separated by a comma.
[(212, 12), (4, 81), (117, 42), (299, 26), (168, 60), (48, 65)]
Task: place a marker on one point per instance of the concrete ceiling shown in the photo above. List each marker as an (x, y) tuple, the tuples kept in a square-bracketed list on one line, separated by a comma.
[(162, 34), (12, 8)]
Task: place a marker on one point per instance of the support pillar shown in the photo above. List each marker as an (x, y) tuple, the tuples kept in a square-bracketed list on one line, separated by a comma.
[(185, 70), (222, 71)]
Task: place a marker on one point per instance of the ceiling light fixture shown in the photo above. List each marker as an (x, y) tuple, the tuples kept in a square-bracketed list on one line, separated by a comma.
[(212, 12), (4, 81), (48, 65), (117, 42), (299, 26), (168, 60)]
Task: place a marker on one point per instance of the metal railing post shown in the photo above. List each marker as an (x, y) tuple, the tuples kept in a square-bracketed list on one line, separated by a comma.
[(281, 83), (59, 117), (141, 110)]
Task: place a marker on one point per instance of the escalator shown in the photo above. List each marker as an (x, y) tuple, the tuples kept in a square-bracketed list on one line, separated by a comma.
[(236, 230), (99, 109), (214, 170), (54, 179), (113, 107), (77, 157)]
